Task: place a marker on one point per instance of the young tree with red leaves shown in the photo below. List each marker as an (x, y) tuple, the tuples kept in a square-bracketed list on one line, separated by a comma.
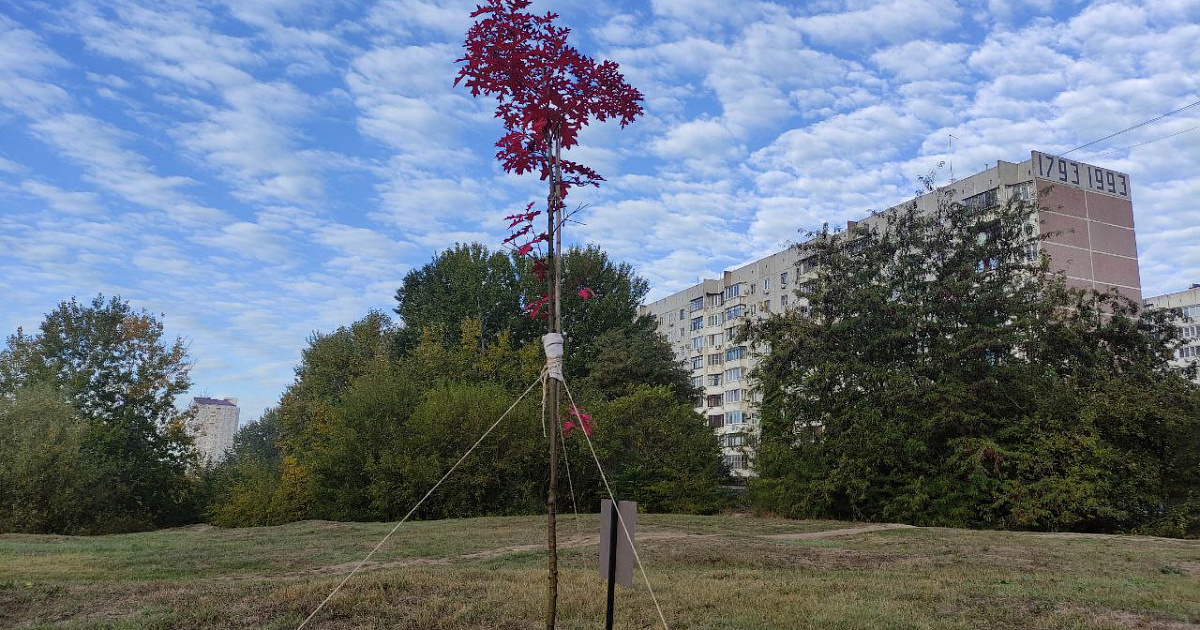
[(546, 91)]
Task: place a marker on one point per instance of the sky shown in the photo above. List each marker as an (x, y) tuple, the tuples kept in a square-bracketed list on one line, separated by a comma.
[(253, 172)]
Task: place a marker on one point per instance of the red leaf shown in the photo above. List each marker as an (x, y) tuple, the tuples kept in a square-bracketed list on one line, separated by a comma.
[(586, 293), (585, 422)]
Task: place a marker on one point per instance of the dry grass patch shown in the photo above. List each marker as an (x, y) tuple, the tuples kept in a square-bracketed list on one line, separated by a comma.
[(709, 572)]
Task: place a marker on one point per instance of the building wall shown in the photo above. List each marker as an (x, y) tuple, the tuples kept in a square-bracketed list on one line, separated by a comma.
[(1188, 304), (1094, 245), (213, 428), (1097, 244)]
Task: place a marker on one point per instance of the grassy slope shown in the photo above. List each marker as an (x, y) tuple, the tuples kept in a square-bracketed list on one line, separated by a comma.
[(709, 572)]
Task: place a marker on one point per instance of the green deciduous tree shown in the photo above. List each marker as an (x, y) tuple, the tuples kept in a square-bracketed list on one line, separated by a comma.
[(634, 356), (461, 283), (114, 367), (468, 282), (943, 376), (49, 486), (656, 450)]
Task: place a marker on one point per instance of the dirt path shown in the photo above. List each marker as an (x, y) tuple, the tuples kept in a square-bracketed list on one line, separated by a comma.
[(833, 533), (487, 554), (574, 542)]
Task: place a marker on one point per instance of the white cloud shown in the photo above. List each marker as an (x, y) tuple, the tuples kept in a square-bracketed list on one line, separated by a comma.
[(698, 140), (924, 60), (250, 240), (8, 166), (889, 21), (407, 18), (62, 200), (97, 146)]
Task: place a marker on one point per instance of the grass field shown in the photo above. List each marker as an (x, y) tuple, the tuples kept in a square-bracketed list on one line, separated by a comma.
[(709, 572)]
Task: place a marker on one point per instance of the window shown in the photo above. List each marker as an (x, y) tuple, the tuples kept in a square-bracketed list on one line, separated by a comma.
[(716, 320), (698, 401), (696, 304), (783, 279), (715, 339), (697, 381), (766, 306), (733, 290), (1021, 192), (1191, 311), (735, 353), (734, 440), (1190, 352), (697, 362), (807, 265), (697, 343), (714, 380), (697, 323), (806, 288), (733, 395), (734, 312), (715, 299), (783, 301), (736, 417), (714, 359), (714, 400), (734, 461), (716, 421), (982, 201), (682, 315), (766, 285), (733, 375)]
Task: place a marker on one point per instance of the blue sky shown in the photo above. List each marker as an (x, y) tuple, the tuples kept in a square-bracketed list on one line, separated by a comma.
[(256, 171)]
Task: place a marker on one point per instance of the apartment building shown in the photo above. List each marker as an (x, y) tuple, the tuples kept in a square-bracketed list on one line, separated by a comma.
[(1187, 302), (213, 425), (1088, 209)]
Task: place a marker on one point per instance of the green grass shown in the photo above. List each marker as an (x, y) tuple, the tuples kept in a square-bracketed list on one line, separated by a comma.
[(708, 572)]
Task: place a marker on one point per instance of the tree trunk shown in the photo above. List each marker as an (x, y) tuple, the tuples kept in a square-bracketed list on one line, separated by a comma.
[(553, 321)]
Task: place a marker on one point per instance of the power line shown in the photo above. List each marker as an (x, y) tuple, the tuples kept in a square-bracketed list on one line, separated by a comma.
[(1128, 129), (1134, 146)]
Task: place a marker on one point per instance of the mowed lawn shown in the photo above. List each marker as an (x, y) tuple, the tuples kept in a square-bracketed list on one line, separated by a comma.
[(726, 572)]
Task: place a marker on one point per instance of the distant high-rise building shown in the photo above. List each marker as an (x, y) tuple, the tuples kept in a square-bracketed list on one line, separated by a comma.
[(1086, 211), (213, 426), (1187, 302)]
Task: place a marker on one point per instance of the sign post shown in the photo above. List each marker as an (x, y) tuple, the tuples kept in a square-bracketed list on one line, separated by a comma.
[(616, 549)]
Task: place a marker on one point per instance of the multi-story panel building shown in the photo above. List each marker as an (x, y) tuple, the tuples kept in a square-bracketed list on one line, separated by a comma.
[(213, 425), (1188, 304), (1087, 211)]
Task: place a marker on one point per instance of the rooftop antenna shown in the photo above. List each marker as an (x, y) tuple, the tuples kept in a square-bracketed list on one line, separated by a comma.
[(951, 140)]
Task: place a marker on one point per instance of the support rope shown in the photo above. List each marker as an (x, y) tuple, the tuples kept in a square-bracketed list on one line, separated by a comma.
[(570, 484), (624, 527), (418, 505)]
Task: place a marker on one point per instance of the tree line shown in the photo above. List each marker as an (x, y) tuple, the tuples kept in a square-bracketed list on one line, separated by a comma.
[(940, 374), (377, 412)]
